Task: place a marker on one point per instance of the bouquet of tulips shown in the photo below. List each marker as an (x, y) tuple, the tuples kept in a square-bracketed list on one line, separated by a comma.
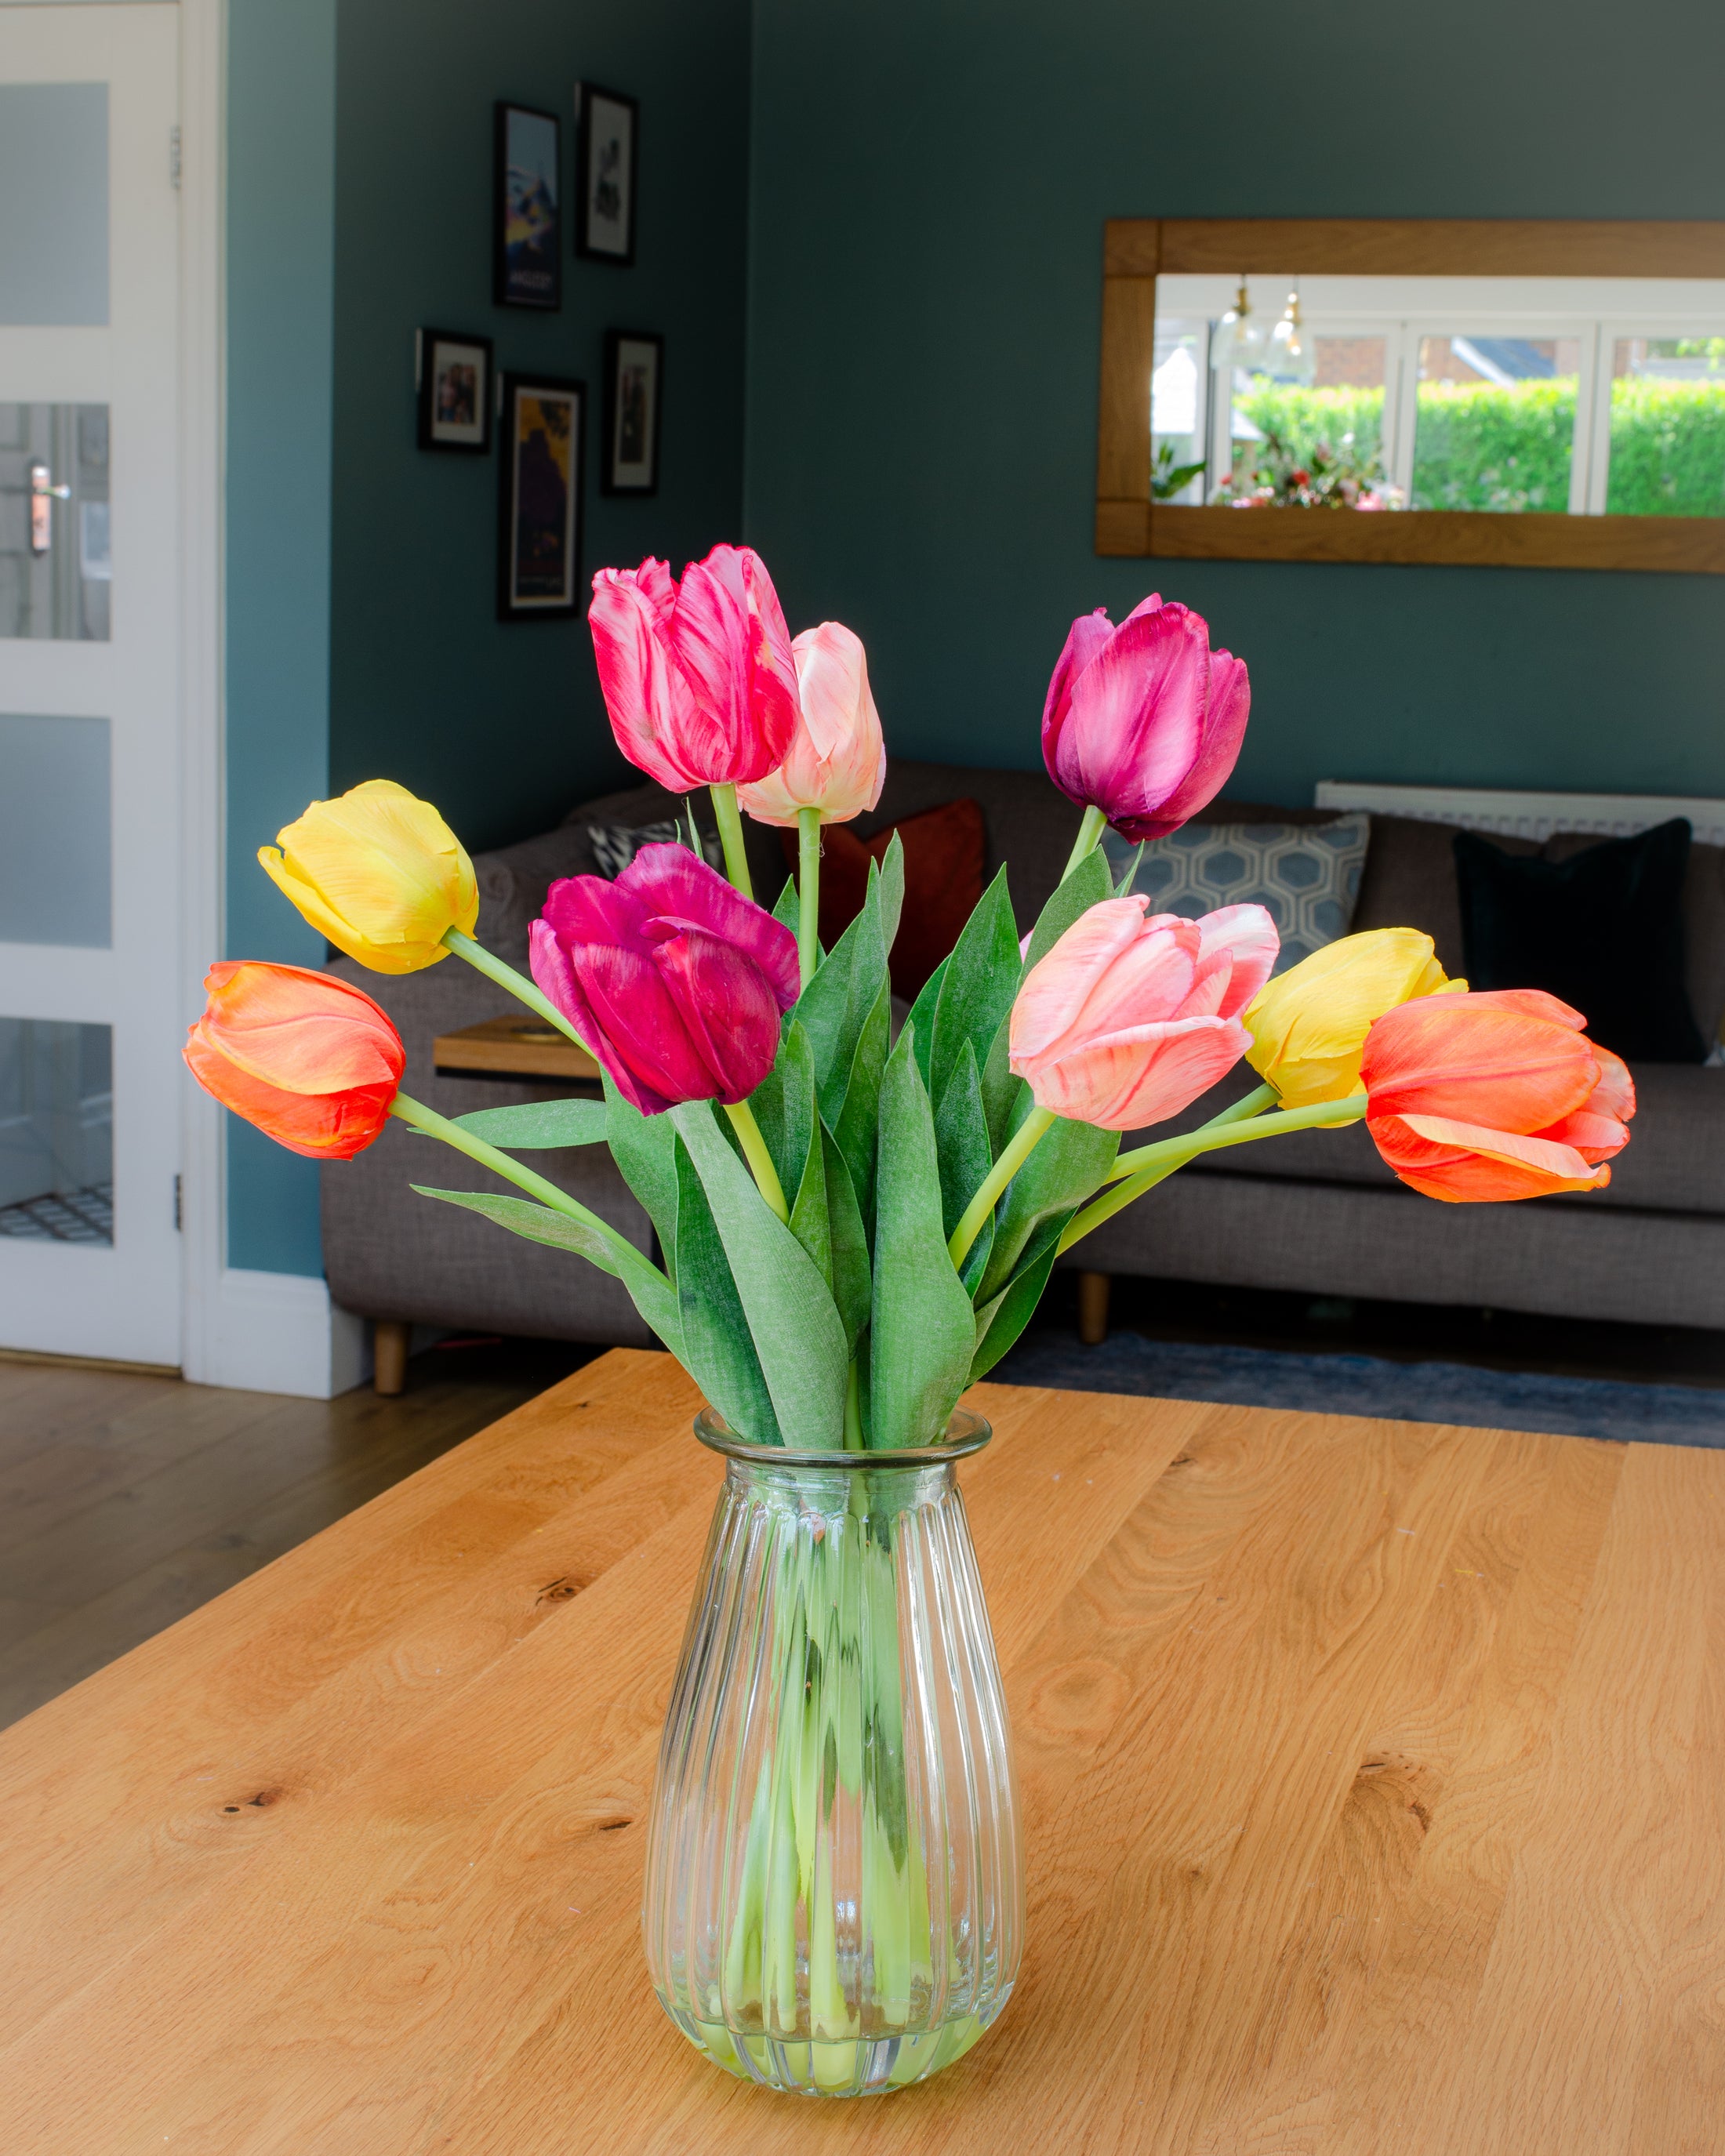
[(856, 1217), (854, 1227)]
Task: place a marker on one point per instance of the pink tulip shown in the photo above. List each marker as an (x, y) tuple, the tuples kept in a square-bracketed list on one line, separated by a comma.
[(838, 760), (1133, 1015), (1144, 721), (698, 677), (673, 980)]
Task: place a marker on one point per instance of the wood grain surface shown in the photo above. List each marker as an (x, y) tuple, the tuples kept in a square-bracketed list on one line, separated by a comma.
[(519, 1045), (1374, 1775)]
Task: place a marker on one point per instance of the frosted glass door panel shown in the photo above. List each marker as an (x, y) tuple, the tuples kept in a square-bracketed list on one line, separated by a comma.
[(54, 831), (54, 166), (56, 568), (56, 1130)]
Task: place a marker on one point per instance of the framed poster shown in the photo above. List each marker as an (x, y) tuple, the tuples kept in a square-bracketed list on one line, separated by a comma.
[(527, 252), (539, 528), (455, 397), (634, 375), (605, 180)]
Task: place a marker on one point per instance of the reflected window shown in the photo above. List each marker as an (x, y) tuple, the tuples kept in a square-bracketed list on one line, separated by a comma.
[(1667, 455), (1178, 385), (56, 1130), (1495, 422)]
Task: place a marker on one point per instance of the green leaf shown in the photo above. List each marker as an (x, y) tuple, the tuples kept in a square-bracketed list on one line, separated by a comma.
[(792, 1319), (890, 890), (718, 1350), (849, 1240), (785, 907), (784, 1105), (1129, 875), (979, 982), (1066, 1169), (1089, 884), (921, 1018), (537, 1124), (644, 1150), (854, 1125), (961, 1136), (835, 1007), (648, 1288), (1001, 1320), (922, 1332), (1006, 1099)]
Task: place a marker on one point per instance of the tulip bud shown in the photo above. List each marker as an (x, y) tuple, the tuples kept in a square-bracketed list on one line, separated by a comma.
[(1309, 1024), (1474, 1098), (314, 1062), (838, 760), (698, 677), (380, 874), (1144, 721), (1132, 1015), (675, 981)]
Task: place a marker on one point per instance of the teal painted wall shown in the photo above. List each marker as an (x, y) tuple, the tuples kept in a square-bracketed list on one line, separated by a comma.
[(501, 724), (281, 142), (929, 181)]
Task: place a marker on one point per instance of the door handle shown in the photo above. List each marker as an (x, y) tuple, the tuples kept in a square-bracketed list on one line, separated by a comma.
[(43, 494)]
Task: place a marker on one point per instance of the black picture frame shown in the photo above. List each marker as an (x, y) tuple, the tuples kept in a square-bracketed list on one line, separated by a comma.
[(634, 409), (541, 435), (607, 170), (456, 393), (526, 207)]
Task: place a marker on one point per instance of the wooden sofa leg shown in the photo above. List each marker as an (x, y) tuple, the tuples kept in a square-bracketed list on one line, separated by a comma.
[(1093, 1308), (389, 1357)]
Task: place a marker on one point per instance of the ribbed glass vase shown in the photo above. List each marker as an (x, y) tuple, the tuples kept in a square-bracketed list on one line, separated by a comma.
[(834, 1895)]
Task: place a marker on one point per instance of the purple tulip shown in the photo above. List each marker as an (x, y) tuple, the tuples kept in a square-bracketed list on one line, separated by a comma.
[(1144, 721), (673, 980)]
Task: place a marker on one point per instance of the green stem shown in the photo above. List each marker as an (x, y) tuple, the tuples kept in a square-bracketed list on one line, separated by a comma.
[(1251, 1107), (807, 892), (1019, 1147), (518, 985), (1090, 833), (729, 819), (853, 1440), (427, 1120), (1147, 1166), (760, 1161)]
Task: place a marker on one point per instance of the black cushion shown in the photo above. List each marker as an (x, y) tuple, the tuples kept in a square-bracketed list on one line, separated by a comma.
[(1603, 930)]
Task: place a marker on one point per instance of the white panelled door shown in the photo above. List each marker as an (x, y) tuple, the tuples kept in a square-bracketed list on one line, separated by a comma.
[(91, 838)]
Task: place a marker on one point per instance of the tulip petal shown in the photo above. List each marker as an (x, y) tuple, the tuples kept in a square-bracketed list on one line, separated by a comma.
[(681, 889), (1594, 1136), (1249, 936), (1088, 637), (1223, 730), (1141, 1075), (726, 1003), (1478, 1060), (1615, 1093), (1055, 990), (380, 874), (650, 706), (1136, 723), (1470, 1164)]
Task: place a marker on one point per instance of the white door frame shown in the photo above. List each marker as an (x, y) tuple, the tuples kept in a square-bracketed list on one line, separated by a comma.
[(273, 1332)]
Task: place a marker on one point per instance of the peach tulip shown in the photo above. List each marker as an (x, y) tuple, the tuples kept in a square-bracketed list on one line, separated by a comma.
[(698, 677), (1132, 1015), (314, 1062), (838, 759), (1496, 1095)]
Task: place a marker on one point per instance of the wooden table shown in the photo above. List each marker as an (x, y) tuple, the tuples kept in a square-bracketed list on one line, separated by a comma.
[(1374, 1775), (519, 1044)]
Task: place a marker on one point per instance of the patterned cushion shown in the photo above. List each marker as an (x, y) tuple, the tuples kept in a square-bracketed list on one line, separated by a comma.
[(1307, 875), (615, 845)]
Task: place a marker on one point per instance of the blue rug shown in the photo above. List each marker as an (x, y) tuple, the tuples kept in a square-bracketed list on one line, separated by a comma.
[(1367, 1385)]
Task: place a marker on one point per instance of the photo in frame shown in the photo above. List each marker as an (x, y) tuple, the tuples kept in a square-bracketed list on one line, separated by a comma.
[(634, 383), (539, 524), (605, 175), (527, 258), (455, 394)]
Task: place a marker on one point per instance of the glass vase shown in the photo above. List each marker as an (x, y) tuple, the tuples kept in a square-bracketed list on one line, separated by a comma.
[(835, 1891)]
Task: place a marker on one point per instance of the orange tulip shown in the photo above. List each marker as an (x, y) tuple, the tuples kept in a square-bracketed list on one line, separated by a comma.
[(312, 1062), (1482, 1097)]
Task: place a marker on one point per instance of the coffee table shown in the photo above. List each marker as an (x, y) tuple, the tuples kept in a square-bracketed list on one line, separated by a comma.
[(1374, 1776)]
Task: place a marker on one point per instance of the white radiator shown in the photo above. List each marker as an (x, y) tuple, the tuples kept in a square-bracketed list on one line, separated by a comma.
[(1525, 815)]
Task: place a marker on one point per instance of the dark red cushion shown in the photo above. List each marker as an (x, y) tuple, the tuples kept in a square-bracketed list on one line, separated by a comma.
[(944, 853)]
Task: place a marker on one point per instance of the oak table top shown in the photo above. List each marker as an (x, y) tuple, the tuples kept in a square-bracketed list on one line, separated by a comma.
[(1374, 1774)]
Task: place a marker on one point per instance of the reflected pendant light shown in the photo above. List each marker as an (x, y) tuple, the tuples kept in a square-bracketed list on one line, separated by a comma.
[(1238, 341), (1291, 357)]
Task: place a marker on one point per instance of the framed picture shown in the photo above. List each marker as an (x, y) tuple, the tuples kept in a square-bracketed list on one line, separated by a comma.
[(605, 180), (539, 528), (634, 377), (455, 396), (527, 254)]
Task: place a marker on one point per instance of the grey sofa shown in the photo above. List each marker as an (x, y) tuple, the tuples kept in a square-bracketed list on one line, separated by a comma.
[(1317, 1212)]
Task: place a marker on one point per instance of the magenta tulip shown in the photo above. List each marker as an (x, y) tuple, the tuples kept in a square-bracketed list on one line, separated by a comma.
[(673, 980), (1144, 721), (698, 677), (1132, 1014)]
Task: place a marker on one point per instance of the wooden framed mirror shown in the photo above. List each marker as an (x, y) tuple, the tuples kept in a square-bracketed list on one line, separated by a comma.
[(1525, 394)]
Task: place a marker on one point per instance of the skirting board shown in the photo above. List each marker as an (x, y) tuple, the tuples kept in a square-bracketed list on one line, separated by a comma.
[(279, 1332), (1525, 815)]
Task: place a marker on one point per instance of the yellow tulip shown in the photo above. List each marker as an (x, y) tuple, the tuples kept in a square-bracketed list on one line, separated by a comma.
[(1309, 1024), (380, 873)]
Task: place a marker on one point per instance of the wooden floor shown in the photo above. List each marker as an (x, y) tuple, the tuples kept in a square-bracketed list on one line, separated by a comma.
[(127, 1501)]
